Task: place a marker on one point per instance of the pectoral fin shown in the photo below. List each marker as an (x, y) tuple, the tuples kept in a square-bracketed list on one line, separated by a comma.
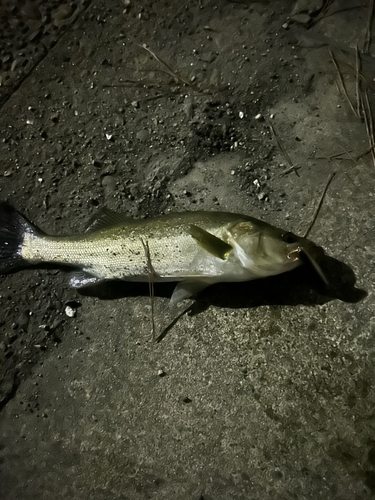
[(209, 242), (186, 289)]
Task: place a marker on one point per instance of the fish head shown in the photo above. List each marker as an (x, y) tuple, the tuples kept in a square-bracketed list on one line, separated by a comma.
[(267, 250)]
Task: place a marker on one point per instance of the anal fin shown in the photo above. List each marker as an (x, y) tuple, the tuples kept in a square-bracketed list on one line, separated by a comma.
[(81, 279)]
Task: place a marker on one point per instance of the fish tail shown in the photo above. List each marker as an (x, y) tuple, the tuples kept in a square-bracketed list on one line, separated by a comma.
[(13, 229)]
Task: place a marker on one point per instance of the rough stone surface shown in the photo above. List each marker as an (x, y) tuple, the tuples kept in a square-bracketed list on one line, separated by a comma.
[(262, 390)]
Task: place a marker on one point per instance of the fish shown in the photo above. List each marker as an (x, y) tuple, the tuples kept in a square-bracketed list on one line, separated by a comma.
[(195, 249)]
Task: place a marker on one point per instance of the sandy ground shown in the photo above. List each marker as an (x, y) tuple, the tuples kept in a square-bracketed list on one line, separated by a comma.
[(263, 390)]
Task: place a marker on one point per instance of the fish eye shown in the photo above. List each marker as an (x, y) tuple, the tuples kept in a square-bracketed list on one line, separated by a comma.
[(289, 238)]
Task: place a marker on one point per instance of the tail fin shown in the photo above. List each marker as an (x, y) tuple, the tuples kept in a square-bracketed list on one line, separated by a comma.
[(13, 228)]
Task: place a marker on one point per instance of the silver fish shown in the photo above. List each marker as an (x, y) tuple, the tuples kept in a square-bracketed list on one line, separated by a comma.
[(195, 249)]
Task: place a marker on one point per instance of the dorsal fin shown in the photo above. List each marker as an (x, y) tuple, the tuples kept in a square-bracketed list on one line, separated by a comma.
[(209, 242), (105, 219)]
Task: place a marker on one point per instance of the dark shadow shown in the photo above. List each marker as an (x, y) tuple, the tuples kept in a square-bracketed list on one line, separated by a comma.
[(118, 289), (300, 286), (171, 324)]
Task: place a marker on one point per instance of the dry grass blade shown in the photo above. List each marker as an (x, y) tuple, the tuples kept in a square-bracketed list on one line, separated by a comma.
[(330, 178), (292, 167), (346, 154), (282, 149), (168, 69), (342, 84), (324, 14), (358, 81), (152, 98), (345, 60), (334, 156), (364, 153), (136, 83), (367, 38), (349, 155), (369, 126), (151, 274)]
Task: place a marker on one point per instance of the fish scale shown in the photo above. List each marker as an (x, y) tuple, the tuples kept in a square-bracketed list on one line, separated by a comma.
[(119, 253), (194, 248)]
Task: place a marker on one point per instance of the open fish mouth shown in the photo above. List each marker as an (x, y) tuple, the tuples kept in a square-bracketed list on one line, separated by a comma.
[(295, 254), (301, 253)]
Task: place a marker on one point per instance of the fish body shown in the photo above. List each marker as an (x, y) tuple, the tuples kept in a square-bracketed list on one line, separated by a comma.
[(194, 248)]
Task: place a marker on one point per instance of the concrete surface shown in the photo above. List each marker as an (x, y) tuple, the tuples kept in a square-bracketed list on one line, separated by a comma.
[(262, 390)]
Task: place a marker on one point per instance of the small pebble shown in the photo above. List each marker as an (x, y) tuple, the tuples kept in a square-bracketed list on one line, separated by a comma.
[(109, 182), (31, 11), (189, 109), (62, 12), (301, 18), (70, 312), (143, 135)]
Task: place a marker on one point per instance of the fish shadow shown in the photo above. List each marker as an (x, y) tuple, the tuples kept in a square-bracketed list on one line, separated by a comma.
[(302, 286)]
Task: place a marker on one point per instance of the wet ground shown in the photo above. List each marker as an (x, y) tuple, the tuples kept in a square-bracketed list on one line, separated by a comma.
[(262, 390)]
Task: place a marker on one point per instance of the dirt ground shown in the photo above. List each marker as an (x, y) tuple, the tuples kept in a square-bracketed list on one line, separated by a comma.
[(263, 390)]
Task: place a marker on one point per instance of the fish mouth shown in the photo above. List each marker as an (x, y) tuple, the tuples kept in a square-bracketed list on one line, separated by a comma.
[(301, 253), (295, 253)]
